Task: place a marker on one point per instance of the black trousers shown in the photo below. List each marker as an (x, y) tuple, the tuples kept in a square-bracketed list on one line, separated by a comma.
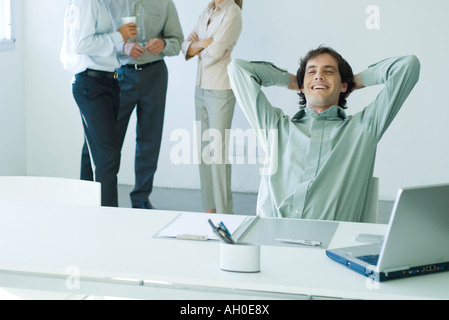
[(144, 91), (99, 100)]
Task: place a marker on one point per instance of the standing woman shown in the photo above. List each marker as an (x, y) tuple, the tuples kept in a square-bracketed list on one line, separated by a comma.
[(212, 40)]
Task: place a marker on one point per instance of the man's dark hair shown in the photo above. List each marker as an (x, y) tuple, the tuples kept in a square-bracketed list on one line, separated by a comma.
[(346, 74)]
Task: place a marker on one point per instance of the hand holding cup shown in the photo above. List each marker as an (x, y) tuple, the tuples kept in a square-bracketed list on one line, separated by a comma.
[(129, 28)]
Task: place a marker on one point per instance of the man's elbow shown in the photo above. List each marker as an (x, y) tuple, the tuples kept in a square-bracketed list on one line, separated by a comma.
[(414, 65), (236, 65), (81, 47), (233, 65)]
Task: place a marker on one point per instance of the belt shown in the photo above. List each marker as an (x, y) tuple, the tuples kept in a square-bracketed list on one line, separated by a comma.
[(101, 74), (141, 66)]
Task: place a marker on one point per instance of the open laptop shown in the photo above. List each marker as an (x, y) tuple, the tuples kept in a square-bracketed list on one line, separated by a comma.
[(416, 242)]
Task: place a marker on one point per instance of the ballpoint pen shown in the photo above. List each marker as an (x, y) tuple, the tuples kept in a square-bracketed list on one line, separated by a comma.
[(221, 233), (310, 243)]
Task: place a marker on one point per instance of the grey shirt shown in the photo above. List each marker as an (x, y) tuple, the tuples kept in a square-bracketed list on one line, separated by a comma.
[(155, 19)]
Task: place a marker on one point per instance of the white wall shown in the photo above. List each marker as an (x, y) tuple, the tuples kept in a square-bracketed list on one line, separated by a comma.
[(54, 133), (414, 151), (12, 103)]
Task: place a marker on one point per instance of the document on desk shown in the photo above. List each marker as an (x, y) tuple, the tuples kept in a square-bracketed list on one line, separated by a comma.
[(195, 226)]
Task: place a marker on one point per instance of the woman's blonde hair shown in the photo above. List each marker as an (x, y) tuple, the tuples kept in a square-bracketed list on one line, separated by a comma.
[(239, 3)]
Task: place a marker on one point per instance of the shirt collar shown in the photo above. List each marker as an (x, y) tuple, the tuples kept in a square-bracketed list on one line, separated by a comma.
[(332, 112)]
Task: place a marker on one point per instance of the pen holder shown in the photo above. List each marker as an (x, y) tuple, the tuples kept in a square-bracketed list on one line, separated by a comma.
[(240, 257)]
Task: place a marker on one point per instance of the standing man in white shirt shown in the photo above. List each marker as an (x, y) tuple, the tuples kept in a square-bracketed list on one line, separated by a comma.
[(143, 80), (89, 53)]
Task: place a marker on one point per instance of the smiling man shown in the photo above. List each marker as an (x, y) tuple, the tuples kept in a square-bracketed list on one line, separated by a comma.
[(324, 157), (320, 79)]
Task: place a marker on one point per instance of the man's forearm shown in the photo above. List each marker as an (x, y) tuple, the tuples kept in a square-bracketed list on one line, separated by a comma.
[(358, 81), (293, 83)]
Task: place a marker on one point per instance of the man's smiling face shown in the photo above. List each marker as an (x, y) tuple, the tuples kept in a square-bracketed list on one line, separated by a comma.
[(322, 83)]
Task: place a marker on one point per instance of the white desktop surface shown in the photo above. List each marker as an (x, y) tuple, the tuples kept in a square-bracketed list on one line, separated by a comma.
[(116, 255)]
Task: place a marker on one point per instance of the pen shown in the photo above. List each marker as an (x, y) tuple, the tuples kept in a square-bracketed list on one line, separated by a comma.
[(221, 233), (310, 243), (224, 228)]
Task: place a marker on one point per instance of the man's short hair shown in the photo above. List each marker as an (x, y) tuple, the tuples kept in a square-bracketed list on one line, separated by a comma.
[(345, 70)]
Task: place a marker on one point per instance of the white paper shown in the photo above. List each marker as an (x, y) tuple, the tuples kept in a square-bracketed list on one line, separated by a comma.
[(196, 224)]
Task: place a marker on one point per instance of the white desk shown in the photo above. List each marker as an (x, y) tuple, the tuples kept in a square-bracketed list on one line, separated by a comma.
[(111, 252)]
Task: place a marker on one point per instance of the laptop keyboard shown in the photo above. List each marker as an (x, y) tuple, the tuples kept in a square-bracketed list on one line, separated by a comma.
[(370, 259)]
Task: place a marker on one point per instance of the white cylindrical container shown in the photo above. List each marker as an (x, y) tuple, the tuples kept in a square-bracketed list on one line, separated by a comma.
[(240, 257)]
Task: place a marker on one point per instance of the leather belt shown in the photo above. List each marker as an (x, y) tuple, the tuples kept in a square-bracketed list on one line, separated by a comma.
[(101, 74), (141, 66)]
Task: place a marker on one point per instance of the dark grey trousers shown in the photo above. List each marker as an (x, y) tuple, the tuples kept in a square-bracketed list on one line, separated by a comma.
[(98, 101), (144, 90)]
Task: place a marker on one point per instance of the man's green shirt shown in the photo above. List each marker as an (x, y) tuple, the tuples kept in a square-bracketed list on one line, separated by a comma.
[(319, 166)]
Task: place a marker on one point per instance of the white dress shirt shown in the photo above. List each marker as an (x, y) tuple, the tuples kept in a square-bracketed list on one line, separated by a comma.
[(224, 25), (89, 38)]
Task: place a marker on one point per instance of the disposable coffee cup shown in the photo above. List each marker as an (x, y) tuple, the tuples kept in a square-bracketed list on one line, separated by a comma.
[(240, 257), (126, 20)]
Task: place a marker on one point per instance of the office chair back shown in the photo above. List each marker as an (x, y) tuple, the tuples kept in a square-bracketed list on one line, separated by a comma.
[(47, 190), (371, 214)]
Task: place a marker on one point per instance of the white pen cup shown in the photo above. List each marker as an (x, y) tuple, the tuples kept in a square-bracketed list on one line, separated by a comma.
[(126, 20), (240, 257)]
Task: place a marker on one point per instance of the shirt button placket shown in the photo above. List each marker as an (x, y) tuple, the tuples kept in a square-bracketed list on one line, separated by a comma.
[(312, 164), (313, 156)]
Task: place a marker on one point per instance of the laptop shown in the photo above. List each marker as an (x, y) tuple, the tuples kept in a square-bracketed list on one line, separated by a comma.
[(416, 242)]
